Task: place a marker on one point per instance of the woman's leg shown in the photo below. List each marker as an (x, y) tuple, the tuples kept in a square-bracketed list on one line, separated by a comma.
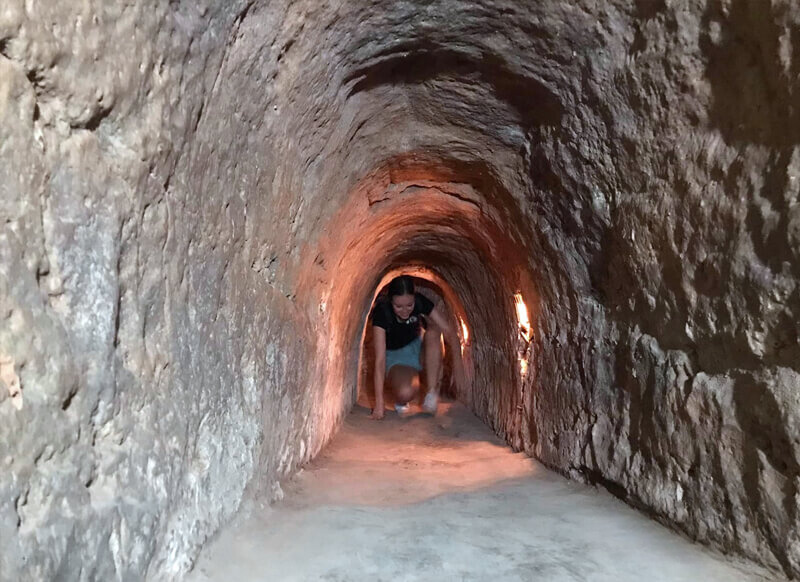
[(404, 383)]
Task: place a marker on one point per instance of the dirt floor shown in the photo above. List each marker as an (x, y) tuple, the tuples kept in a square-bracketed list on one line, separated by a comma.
[(423, 498)]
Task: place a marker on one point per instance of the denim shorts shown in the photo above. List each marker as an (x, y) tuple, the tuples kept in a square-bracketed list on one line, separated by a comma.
[(408, 355)]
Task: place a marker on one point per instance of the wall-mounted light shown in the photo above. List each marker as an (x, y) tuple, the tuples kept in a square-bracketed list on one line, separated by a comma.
[(523, 366), (525, 332), (522, 317), (464, 335)]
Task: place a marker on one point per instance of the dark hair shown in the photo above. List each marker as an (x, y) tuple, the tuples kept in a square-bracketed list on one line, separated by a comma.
[(402, 285)]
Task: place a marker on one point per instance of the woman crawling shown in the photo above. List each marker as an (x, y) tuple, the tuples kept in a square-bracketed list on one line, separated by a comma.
[(407, 330)]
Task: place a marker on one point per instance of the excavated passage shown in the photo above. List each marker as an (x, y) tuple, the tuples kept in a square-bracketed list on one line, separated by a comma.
[(200, 199)]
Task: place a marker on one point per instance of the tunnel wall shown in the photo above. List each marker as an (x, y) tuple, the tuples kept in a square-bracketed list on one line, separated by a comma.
[(682, 338), (142, 351), (187, 191)]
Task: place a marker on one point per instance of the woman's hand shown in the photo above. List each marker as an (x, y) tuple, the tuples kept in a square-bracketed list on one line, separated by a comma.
[(377, 414)]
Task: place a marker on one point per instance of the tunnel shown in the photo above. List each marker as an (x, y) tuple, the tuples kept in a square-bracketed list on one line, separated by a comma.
[(201, 200)]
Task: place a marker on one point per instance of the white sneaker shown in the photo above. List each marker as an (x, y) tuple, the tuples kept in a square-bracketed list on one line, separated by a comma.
[(402, 409), (431, 402)]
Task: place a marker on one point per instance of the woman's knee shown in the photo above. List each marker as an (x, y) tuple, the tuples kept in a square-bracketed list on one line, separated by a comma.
[(404, 381), (406, 391), (404, 396)]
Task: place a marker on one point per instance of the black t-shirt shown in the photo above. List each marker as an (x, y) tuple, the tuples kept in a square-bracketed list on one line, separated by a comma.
[(400, 332)]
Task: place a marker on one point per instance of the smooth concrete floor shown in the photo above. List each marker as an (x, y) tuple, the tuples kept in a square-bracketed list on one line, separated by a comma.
[(423, 498)]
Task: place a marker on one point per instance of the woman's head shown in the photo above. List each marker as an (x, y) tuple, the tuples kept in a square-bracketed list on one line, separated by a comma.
[(401, 296)]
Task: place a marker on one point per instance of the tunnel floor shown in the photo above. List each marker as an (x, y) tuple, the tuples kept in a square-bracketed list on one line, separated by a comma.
[(444, 499)]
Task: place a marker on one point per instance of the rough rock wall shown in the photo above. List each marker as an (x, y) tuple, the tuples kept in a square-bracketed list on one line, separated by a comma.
[(695, 172), (199, 201), (138, 347)]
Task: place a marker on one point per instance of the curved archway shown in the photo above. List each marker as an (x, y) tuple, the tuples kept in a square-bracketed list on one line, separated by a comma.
[(421, 216)]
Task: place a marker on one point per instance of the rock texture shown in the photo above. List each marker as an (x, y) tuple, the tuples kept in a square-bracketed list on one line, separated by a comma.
[(199, 200)]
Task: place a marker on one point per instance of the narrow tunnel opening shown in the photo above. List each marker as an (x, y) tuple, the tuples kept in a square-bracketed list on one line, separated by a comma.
[(458, 365), (440, 222)]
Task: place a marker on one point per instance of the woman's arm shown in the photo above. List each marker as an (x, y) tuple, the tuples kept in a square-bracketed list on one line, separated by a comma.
[(439, 320), (379, 340)]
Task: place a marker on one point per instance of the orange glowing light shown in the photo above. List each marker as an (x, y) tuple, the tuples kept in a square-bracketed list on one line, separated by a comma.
[(464, 335), (523, 366), (522, 317)]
